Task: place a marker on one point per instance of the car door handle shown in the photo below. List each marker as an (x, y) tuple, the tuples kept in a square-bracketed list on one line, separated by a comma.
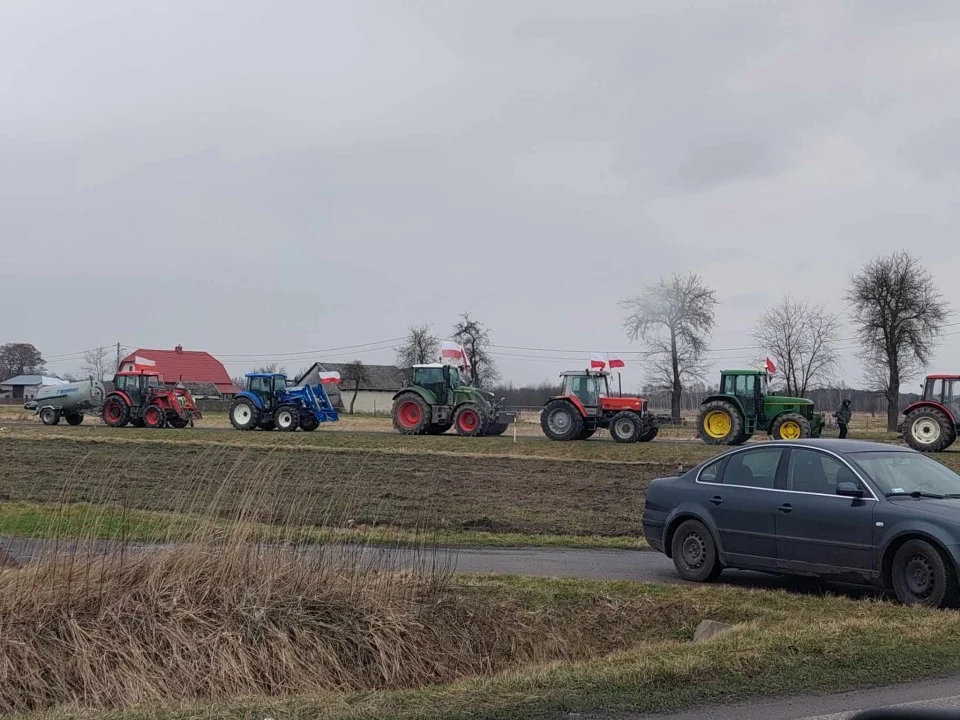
[(716, 500), (786, 507)]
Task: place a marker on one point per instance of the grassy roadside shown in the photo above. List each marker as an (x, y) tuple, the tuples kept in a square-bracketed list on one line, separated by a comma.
[(781, 643), (69, 522)]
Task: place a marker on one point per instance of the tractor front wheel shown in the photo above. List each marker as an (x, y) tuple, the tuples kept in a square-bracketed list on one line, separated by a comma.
[(49, 416), (287, 418), (244, 415), (928, 430), (411, 415), (308, 422), (468, 421), (116, 413), (625, 427), (154, 417), (178, 422), (790, 426), (649, 434), (719, 423), (560, 420)]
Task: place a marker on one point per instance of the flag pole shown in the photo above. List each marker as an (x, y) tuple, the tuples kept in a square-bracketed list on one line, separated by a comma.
[(620, 382)]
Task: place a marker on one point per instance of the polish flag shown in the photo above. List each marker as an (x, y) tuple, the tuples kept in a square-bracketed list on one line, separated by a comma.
[(770, 367), (597, 362), (450, 351), (144, 362), (616, 362), (331, 377)]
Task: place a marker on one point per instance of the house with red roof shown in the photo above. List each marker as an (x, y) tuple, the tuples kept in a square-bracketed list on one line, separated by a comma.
[(185, 366)]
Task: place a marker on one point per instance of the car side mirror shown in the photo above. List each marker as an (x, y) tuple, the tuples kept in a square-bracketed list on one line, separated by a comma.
[(849, 489)]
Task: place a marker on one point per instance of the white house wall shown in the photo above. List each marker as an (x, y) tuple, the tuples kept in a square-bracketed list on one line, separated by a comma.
[(368, 401)]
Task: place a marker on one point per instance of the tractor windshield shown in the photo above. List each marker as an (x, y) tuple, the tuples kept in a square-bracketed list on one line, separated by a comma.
[(587, 388), (454, 378)]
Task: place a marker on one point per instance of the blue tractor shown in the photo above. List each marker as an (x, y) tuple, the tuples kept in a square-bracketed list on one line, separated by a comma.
[(269, 404)]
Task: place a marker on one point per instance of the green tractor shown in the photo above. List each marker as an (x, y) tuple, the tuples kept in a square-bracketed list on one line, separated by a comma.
[(745, 407), (439, 398)]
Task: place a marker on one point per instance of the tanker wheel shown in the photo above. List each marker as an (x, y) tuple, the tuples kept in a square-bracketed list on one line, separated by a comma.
[(790, 426), (928, 430), (308, 421), (244, 415), (49, 416), (560, 420), (74, 418), (154, 417), (625, 427), (719, 423), (116, 413), (468, 421), (411, 415), (287, 418)]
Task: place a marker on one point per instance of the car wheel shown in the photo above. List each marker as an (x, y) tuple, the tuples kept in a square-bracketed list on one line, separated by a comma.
[(921, 577), (694, 552)]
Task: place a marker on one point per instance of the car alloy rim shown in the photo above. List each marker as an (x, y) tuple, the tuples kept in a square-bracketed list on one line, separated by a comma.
[(559, 421), (717, 424), (693, 551), (919, 576), (926, 431)]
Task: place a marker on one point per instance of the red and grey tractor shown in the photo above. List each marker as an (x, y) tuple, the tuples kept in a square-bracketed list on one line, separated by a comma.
[(585, 405), (931, 423), (142, 400)]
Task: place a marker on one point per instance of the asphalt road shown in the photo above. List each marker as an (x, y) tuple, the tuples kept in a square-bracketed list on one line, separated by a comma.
[(629, 565)]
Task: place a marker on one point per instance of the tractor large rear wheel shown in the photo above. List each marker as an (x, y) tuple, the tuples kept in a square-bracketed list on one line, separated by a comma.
[(411, 414), (116, 413), (928, 430), (560, 420), (287, 418), (468, 421), (244, 415), (719, 423), (790, 426)]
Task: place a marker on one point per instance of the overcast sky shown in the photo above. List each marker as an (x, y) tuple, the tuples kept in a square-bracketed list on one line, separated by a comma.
[(252, 177)]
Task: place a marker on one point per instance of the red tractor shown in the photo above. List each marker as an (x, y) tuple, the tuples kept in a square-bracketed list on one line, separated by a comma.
[(585, 405), (141, 399), (930, 424)]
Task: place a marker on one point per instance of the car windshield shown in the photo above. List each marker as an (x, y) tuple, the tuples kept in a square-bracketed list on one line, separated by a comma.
[(907, 473)]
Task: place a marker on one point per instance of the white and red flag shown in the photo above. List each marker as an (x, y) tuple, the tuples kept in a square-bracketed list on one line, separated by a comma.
[(452, 353), (330, 377), (597, 362), (142, 363), (615, 362), (770, 367)]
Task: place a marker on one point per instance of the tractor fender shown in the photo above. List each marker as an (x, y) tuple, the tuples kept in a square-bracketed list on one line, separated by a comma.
[(931, 404), (255, 399), (426, 395), (120, 394), (730, 399), (573, 400)]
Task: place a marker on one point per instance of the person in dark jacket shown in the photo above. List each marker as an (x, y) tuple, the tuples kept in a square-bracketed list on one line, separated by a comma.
[(843, 418)]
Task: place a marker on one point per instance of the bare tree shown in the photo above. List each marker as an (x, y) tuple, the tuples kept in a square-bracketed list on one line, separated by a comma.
[(20, 359), (97, 363), (272, 368), (900, 315), (475, 339), (419, 347), (801, 338), (673, 319), (354, 373)]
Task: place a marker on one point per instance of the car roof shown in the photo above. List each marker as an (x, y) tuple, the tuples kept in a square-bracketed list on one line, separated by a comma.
[(841, 447)]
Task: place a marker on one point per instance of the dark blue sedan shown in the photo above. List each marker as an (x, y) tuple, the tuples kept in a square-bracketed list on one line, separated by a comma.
[(836, 509)]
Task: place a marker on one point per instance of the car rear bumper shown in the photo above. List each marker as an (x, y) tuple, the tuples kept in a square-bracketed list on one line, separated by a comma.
[(653, 533)]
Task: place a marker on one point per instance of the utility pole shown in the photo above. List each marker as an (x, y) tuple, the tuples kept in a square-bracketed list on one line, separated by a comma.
[(118, 359)]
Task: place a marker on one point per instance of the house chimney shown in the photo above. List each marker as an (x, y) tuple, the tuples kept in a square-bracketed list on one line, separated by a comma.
[(179, 348)]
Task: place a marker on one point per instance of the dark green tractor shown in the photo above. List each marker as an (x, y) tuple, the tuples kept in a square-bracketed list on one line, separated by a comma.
[(439, 398), (744, 407)]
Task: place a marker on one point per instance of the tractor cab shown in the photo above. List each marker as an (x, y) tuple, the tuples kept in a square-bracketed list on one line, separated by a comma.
[(749, 387), (588, 386), (931, 424), (266, 386), (943, 389), (438, 379), (137, 385)]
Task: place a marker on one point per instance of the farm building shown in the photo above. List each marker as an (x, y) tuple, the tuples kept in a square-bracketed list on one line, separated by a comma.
[(187, 367), (375, 392), (24, 387)]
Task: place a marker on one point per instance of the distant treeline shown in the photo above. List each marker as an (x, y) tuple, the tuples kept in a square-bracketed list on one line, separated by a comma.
[(824, 398)]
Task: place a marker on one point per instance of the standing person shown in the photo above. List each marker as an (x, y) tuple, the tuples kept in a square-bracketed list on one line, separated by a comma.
[(843, 418)]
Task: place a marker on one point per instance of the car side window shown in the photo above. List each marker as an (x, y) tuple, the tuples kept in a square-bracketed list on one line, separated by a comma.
[(816, 472), (753, 468), (710, 472)]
